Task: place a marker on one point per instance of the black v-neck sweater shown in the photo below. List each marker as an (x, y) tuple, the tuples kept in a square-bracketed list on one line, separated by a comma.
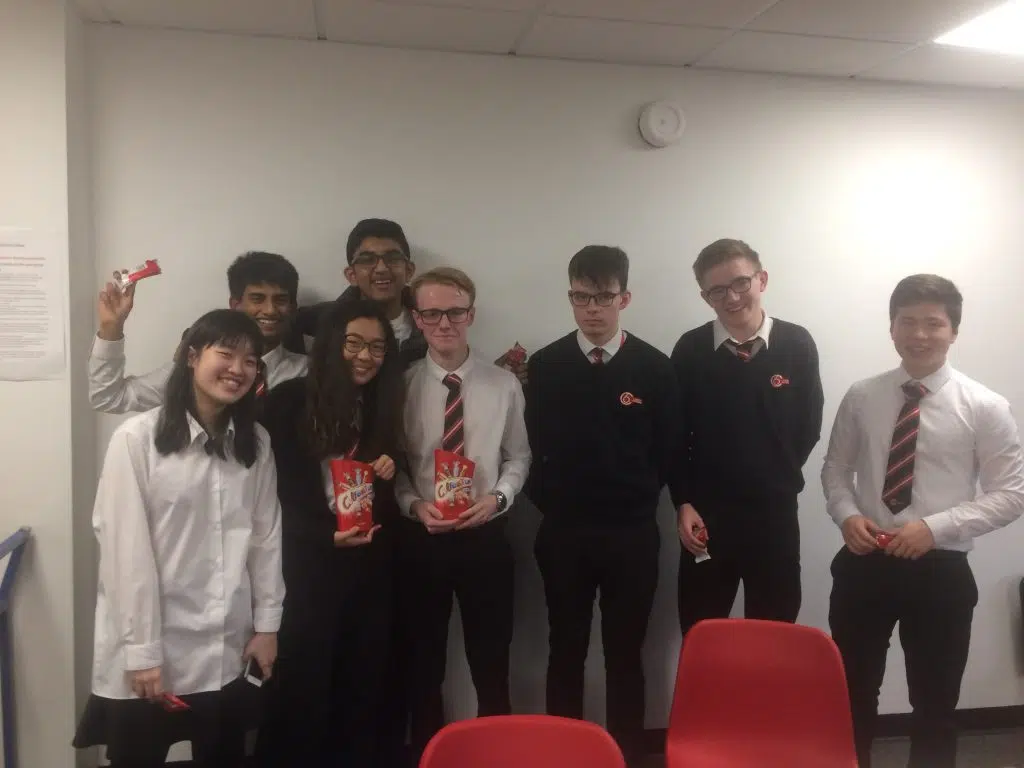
[(750, 425), (605, 438)]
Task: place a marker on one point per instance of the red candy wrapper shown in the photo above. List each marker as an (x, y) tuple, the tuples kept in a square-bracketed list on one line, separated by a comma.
[(516, 355), (172, 703), (353, 494), (149, 268), (883, 540), (701, 534), (453, 487)]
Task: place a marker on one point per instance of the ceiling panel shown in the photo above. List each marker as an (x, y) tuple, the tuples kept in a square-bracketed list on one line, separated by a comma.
[(911, 21), (696, 13), (420, 26), (952, 66), (798, 54), (618, 41), (486, 5), (288, 18)]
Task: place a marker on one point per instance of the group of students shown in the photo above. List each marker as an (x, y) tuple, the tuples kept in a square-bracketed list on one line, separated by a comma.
[(221, 561)]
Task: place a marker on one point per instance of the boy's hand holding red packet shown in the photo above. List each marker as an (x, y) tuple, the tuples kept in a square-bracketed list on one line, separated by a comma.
[(453, 484), (514, 360)]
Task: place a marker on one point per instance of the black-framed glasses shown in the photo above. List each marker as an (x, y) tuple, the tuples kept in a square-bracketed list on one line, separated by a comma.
[(455, 315), (738, 285), (602, 299), (369, 259), (355, 344)]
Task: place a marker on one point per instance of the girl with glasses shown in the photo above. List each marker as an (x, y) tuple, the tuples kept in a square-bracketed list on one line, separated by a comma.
[(334, 640)]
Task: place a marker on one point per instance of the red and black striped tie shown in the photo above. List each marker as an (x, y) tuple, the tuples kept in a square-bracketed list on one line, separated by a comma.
[(260, 385), (899, 472), (454, 439), (744, 351)]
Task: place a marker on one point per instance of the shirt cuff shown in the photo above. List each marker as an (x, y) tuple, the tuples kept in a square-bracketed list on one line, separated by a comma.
[(143, 656), (405, 501), (267, 620), (107, 350), (943, 528), (842, 513), (510, 495)]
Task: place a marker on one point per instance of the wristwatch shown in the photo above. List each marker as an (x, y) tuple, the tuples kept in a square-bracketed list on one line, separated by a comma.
[(502, 501)]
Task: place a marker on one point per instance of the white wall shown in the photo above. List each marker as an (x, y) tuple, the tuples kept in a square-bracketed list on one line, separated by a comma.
[(206, 146), (35, 417), (82, 310)]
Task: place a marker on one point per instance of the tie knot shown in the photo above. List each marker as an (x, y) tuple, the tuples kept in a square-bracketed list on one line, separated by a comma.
[(914, 390), (597, 355), (453, 381), (745, 350)]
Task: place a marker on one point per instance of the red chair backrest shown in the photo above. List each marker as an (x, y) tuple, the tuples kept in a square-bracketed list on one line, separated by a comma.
[(522, 741), (764, 682)]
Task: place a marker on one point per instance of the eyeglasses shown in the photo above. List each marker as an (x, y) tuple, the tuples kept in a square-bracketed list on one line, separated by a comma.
[(356, 344), (369, 259), (738, 285), (583, 299), (455, 315)]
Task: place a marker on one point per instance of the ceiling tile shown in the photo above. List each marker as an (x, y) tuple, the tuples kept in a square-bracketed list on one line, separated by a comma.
[(618, 41), (696, 13), (420, 26), (797, 54), (287, 18), (480, 5), (952, 66), (911, 21)]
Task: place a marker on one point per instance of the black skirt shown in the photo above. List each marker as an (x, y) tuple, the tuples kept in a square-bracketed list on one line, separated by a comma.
[(136, 726)]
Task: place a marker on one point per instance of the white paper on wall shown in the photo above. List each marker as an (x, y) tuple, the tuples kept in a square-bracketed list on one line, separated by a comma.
[(32, 343)]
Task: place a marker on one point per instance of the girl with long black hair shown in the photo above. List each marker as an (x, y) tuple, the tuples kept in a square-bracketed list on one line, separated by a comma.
[(190, 583), (335, 636)]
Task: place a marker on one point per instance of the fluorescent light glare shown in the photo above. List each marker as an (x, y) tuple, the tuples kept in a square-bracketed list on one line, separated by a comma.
[(1000, 30)]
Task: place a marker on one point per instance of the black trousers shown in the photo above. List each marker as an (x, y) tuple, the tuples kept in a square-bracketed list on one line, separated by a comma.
[(325, 697), (757, 543), (577, 562), (475, 566), (933, 601)]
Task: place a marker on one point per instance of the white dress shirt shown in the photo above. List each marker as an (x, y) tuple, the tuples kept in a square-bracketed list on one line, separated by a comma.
[(608, 349), (967, 436), (402, 326), (722, 334), (190, 560), (494, 428), (110, 391)]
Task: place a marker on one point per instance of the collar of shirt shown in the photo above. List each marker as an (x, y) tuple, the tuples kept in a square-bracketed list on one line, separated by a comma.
[(610, 347), (196, 431), (273, 357), (933, 381), (439, 373), (722, 335)]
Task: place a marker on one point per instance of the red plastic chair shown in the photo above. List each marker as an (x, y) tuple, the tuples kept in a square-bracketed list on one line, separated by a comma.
[(759, 694), (522, 741)]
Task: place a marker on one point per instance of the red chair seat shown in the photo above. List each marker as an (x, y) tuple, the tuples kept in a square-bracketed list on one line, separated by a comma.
[(759, 694), (522, 741)]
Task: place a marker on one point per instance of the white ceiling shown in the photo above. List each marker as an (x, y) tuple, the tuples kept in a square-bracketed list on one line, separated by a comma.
[(866, 39)]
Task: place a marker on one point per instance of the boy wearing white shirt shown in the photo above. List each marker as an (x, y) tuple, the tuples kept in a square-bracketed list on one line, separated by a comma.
[(262, 285), (469, 407), (908, 450)]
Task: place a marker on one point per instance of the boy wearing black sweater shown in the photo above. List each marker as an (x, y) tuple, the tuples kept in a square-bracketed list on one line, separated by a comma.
[(752, 405), (602, 414)]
